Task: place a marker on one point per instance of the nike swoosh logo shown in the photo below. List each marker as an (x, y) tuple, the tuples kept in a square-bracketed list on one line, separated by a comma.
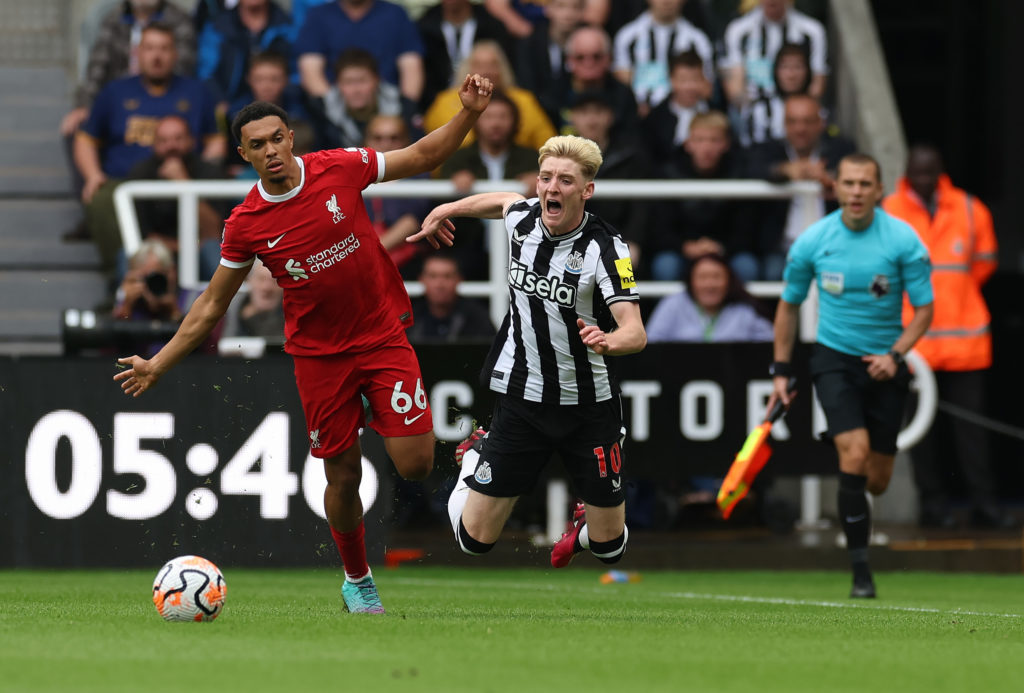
[(856, 518), (409, 421), (271, 244), (518, 237)]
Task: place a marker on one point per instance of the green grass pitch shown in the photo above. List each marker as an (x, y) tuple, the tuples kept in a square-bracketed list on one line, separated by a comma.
[(518, 630)]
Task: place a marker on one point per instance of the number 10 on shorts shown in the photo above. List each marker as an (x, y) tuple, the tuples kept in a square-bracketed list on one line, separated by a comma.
[(614, 455)]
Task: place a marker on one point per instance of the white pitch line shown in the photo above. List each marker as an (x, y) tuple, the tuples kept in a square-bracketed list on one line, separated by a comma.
[(839, 605), (784, 601)]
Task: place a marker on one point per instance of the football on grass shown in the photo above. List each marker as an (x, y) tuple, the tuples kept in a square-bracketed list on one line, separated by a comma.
[(189, 588)]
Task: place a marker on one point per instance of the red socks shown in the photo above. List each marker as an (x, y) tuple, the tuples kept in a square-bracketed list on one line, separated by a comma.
[(352, 548)]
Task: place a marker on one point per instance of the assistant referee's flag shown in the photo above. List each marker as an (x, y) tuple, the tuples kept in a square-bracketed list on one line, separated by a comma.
[(749, 460)]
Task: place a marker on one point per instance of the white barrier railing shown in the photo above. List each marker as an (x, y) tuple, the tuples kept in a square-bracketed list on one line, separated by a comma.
[(188, 194)]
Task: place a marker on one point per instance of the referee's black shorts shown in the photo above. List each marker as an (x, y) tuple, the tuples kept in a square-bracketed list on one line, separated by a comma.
[(523, 435), (852, 399)]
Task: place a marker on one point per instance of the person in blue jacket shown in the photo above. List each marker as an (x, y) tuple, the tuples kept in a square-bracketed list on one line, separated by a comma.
[(863, 261), (227, 42)]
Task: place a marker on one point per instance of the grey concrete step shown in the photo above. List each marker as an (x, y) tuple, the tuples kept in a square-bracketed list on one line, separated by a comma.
[(42, 254), (30, 325), (44, 181), (39, 219), (33, 100), (34, 149), (48, 347), (33, 80), (33, 114), (24, 291), (31, 232)]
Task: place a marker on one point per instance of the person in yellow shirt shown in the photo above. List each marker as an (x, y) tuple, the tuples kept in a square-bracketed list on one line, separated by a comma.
[(488, 60)]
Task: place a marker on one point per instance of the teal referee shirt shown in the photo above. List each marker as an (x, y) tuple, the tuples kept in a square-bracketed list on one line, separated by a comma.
[(861, 277)]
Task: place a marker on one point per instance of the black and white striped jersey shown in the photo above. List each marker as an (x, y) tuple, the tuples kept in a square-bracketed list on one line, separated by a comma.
[(644, 47), (553, 280), (751, 41), (764, 119), (761, 120)]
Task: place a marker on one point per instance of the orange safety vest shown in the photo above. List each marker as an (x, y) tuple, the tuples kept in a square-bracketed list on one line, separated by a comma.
[(962, 245)]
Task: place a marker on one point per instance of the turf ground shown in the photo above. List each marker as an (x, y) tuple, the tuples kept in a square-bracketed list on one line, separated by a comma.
[(518, 630)]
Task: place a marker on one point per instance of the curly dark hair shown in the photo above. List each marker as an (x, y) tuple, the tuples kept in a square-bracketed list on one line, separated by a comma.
[(255, 111)]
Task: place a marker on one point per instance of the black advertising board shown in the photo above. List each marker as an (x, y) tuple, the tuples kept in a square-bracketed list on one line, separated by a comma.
[(215, 460)]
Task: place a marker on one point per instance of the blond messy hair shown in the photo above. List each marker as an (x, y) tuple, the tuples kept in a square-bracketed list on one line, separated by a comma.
[(711, 119), (584, 152)]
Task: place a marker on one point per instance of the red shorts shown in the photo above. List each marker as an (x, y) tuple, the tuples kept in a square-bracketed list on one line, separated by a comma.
[(330, 389)]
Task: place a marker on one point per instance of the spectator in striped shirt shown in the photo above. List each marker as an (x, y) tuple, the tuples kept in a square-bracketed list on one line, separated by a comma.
[(752, 42), (763, 118), (644, 47)]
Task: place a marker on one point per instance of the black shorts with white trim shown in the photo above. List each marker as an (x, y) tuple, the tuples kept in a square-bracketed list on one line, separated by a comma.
[(524, 435)]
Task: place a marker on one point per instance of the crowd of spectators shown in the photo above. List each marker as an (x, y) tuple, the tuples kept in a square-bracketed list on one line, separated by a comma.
[(634, 76)]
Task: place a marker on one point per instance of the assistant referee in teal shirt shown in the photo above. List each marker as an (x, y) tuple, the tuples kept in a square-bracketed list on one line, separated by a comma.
[(862, 260)]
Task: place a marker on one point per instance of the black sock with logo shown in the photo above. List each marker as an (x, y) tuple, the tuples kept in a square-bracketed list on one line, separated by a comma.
[(855, 516)]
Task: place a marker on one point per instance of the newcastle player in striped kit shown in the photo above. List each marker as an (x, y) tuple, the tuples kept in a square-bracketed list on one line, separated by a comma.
[(574, 303)]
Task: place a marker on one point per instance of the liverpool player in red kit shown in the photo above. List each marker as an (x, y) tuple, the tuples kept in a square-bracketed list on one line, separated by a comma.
[(346, 309)]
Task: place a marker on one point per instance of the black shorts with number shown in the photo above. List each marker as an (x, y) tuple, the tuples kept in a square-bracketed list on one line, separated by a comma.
[(523, 436), (852, 399)]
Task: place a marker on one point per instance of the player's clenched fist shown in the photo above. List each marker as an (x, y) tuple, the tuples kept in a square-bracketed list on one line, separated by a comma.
[(475, 92)]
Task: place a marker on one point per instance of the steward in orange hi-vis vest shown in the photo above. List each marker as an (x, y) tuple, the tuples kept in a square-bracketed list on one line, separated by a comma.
[(962, 245)]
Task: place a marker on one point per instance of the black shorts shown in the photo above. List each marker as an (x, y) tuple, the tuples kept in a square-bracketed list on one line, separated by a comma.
[(852, 399), (523, 435)]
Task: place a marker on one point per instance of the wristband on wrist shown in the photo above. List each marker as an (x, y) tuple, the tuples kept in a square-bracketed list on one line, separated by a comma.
[(780, 368), (897, 357)]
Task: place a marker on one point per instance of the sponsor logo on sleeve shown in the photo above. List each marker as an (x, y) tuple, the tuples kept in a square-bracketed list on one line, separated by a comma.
[(362, 153), (624, 266)]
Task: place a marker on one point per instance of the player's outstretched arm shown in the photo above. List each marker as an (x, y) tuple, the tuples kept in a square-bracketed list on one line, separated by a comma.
[(430, 151), (437, 227), (628, 338), (206, 312)]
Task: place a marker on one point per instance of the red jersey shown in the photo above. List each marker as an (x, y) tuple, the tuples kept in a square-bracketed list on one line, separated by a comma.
[(342, 293)]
